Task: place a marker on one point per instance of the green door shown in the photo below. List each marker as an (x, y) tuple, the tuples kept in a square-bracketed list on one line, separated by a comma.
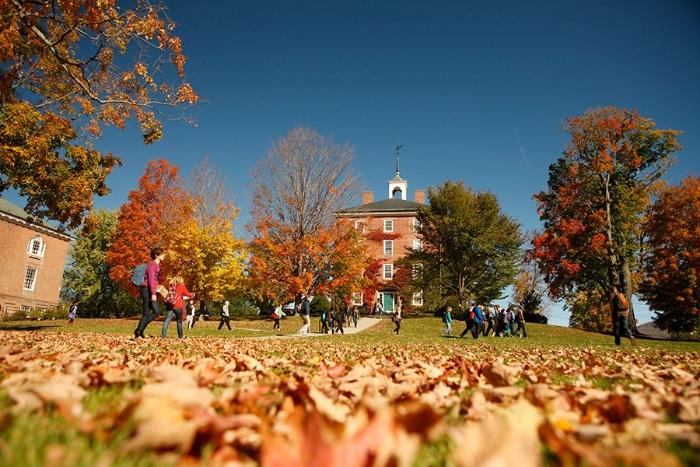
[(388, 302)]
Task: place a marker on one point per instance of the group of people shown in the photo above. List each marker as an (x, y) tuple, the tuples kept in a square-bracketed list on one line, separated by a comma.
[(178, 299), (488, 320)]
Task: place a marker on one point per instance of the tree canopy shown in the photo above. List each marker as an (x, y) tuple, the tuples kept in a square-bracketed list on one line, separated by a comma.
[(597, 193), (671, 283), (67, 69), (468, 243)]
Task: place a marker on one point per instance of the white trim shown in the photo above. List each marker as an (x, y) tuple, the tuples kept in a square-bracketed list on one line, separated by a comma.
[(357, 298), (417, 298), (360, 223), (36, 227), (40, 245), (417, 244), (391, 271), (32, 284), (413, 223), (390, 244), (384, 225)]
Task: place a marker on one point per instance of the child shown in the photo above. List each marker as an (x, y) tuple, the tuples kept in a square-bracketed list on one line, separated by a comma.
[(277, 316), (447, 319)]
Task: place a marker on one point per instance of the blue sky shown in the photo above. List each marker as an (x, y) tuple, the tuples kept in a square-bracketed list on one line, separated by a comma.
[(477, 91)]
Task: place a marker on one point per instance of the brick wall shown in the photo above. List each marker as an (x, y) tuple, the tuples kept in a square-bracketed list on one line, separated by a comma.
[(14, 243)]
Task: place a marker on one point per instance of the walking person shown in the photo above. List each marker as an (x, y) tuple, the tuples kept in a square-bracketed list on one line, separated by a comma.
[(305, 312), (337, 321), (204, 312), (447, 319), (520, 321), (468, 316), (176, 307), (225, 317), (324, 322), (620, 316), (148, 291), (397, 316), (190, 314), (72, 313), (477, 320), (277, 315), (491, 318)]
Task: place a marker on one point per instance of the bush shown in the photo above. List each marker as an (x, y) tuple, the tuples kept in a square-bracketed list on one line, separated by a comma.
[(535, 318), (320, 304)]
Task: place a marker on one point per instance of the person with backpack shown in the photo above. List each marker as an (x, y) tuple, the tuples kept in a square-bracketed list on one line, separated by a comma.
[(520, 321), (447, 319), (468, 318), (148, 289), (225, 317), (175, 304), (491, 318), (620, 316)]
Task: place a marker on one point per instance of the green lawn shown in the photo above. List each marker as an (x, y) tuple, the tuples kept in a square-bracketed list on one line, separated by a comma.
[(37, 438), (414, 331)]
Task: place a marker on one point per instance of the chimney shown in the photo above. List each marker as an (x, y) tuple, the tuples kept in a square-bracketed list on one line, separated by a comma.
[(367, 197), (419, 196)]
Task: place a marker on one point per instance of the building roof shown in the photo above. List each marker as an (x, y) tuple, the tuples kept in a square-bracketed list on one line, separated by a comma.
[(386, 205), (11, 210)]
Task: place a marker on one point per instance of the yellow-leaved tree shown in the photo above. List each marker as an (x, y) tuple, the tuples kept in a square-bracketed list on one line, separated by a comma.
[(205, 250)]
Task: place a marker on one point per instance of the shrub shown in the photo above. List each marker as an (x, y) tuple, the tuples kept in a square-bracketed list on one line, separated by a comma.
[(320, 304)]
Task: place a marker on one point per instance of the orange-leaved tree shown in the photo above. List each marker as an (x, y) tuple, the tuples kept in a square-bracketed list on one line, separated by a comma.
[(204, 249), (671, 283), (151, 217), (298, 248), (68, 68), (596, 196)]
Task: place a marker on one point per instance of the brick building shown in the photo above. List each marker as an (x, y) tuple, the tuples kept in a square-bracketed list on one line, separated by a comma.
[(389, 228), (32, 258)]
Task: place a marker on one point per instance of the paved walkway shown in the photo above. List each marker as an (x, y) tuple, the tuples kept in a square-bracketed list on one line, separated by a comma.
[(362, 324)]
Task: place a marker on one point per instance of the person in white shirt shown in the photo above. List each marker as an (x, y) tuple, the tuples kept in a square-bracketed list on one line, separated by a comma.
[(225, 318)]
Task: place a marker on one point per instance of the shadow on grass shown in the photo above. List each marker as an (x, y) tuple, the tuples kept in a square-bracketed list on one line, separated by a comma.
[(27, 327)]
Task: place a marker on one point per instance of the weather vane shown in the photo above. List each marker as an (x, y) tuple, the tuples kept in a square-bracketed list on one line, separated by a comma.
[(398, 154)]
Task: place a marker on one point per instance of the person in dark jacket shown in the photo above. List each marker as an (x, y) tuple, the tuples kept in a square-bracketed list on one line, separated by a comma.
[(620, 316), (149, 290)]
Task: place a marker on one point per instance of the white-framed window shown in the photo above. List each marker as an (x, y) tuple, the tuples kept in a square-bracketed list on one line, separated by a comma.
[(418, 298), (414, 223), (388, 225), (388, 247), (30, 278), (416, 270), (360, 226), (357, 298), (388, 271), (417, 245), (36, 247), (25, 308)]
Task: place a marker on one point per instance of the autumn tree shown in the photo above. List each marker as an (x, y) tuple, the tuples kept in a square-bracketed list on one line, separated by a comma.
[(530, 289), (671, 283), (298, 248), (468, 243), (68, 69), (151, 217), (596, 194), (589, 310), (86, 279), (204, 249)]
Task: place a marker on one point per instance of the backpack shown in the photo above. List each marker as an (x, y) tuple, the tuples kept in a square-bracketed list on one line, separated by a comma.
[(138, 274), (171, 298), (472, 315)]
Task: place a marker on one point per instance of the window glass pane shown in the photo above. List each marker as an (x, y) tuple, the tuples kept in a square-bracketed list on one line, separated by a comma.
[(29, 279), (388, 247), (388, 226)]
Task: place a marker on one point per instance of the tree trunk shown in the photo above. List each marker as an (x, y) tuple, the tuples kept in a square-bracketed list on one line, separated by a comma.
[(627, 279)]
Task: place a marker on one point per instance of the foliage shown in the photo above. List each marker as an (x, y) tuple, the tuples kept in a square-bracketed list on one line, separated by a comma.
[(203, 248), (456, 399), (151, 217), (596, 194), (298, 248), (590, 310), (86, 280), (469, 244), (319, 304), (530, 290), (65, 72), (671, 283)]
